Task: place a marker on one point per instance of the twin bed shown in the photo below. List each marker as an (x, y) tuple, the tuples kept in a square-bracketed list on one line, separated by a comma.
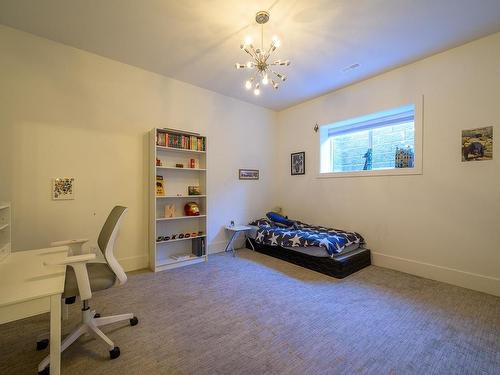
[(330, 251)]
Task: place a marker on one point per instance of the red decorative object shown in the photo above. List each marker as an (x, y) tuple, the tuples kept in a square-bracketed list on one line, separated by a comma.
[(192, 209), (192, 163)]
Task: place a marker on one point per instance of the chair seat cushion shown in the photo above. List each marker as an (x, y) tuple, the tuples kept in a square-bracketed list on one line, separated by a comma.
[(100, 276)]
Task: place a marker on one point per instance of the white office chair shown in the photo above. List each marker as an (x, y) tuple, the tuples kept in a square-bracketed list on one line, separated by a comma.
[(87, 274)]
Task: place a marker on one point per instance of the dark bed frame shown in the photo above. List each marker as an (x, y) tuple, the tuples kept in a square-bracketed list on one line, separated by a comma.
[(338, 268)]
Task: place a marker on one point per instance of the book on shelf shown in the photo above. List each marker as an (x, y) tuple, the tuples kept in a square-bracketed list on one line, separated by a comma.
[(198, 246), (161, 139), (181, 141)]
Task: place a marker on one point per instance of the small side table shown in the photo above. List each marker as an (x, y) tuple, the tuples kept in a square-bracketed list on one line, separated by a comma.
[(237, 229)]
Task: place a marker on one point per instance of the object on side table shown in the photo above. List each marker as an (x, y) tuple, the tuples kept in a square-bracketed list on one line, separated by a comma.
[(191, 209), (193, 190), (170, 210), (160, 187)]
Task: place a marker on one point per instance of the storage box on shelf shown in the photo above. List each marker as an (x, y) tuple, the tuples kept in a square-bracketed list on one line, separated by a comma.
[(5, 230), (177, 162)]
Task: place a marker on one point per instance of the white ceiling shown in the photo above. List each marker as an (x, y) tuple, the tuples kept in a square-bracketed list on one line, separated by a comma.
[(198, 41)]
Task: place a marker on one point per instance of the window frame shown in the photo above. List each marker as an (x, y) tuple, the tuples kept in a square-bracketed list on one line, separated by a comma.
[(418, 147)]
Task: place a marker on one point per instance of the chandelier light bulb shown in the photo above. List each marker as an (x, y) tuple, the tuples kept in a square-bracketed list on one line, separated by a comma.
[(250, 65), (239, 66), (276, 42), (282, 62), (248, 41), (281, 76), (265, 79), (275, 85), (256, 91), (248, 84)]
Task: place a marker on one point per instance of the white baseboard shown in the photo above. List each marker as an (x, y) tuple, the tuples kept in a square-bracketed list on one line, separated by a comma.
[(481, 283), (134, 263), (142, 261), (216, 247)]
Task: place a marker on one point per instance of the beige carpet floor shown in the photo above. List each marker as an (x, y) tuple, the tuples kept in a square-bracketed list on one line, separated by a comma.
[(253, 314)]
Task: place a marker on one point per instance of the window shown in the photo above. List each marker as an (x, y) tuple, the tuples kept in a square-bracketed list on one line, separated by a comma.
[(377, 142)]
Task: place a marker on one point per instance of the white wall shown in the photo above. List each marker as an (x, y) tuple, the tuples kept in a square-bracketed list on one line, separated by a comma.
[(67, 112), (443, 224)]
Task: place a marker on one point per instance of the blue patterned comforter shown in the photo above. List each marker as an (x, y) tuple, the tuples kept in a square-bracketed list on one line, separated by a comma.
[(305, 235)]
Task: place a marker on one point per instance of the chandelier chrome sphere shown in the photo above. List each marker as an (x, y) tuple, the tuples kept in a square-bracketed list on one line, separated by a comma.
[(261, 63)]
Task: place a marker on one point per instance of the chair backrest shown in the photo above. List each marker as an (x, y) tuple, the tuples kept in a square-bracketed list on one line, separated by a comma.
[(107, 238)]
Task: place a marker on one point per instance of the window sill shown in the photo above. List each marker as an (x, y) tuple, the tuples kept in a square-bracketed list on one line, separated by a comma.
[(373, 173)]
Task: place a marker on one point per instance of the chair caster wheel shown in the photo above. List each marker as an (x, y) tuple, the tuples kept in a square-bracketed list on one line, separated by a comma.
[(45, 371), (134, 321), (97, 315), (114, 353), (42, 344)]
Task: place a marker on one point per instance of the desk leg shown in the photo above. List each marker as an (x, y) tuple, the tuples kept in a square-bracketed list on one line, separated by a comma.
[(55, 334), (230, 243), (250, 242)]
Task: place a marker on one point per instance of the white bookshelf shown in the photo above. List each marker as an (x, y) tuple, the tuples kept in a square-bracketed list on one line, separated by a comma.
[(5, 230), (176, 182)]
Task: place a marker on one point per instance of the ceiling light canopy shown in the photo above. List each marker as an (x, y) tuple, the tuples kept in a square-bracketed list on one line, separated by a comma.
[(261, 62)]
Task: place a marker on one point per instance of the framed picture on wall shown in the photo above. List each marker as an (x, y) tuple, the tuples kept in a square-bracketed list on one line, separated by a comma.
[(63, 188), (477, 144), (248, 174), (298, 163)]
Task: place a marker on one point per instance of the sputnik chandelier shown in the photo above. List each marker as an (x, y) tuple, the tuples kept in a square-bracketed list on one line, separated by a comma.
[(261, 62)]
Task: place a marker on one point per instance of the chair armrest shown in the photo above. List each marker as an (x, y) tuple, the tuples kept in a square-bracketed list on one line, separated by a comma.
[(75, 246), (78, 262), (73, 259)]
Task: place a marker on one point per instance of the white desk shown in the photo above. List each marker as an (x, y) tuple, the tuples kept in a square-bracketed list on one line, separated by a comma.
[(236, 229), (28, 288)]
